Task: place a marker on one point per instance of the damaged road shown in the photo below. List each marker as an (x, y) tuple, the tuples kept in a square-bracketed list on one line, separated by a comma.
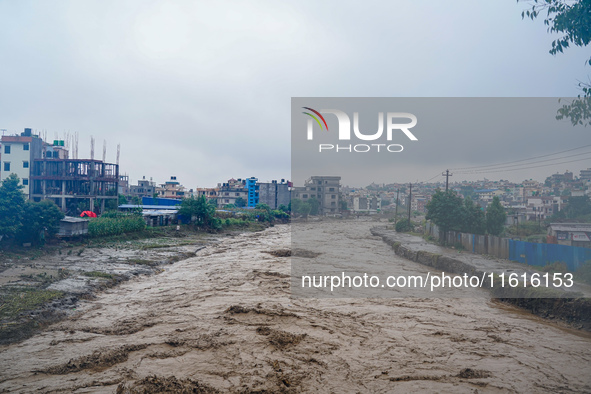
[(224, 321)]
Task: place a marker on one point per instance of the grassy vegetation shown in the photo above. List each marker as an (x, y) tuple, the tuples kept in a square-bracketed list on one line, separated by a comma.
[(150, 263), (16, 300), (98, 274)]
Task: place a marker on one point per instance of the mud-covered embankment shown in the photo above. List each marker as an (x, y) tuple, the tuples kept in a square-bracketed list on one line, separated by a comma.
[(566, 307)]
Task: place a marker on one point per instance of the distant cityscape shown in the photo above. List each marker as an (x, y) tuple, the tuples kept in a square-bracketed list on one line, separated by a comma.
[(47, 171)]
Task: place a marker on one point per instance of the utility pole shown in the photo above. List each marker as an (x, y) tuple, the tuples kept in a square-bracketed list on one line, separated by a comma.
[(409, 200), (396, 207), (446, 174)]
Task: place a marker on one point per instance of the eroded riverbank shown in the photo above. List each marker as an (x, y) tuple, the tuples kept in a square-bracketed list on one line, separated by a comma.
[(224, 320)]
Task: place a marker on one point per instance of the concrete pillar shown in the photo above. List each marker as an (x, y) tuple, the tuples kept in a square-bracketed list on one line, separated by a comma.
[(63, 195)]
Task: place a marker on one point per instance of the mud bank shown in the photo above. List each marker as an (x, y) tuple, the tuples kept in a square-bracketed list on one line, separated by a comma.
[(42, 288), (561, 306)]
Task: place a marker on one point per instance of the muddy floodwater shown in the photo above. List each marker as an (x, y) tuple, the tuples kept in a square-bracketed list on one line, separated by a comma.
[(224, 321)]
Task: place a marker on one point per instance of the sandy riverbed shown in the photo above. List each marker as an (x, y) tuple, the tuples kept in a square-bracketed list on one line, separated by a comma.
[(224, 320)]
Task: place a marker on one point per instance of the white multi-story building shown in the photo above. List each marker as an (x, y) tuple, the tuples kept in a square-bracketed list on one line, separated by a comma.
[(18, 153)]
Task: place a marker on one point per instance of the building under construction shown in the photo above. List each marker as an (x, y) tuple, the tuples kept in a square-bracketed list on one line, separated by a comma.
[(72, 183)]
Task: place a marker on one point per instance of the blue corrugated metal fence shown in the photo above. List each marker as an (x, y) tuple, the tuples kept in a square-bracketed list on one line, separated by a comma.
[(543, 254)]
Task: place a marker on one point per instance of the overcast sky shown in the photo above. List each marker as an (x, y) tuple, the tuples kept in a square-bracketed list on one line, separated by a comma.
[(202, 90)]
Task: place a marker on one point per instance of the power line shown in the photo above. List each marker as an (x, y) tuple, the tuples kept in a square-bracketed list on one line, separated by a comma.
[(526, 164), (526, 168), (522, 160)]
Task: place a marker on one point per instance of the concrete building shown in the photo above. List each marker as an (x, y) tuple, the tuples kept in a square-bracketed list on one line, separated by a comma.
[(371, 205), (144, 188), (70, 181), (274, 193), (229, 192), (210, 193), (585, 174), (18, 153), (253, 192), (171, 189), (325, 189), (123, 187), (541, 207)]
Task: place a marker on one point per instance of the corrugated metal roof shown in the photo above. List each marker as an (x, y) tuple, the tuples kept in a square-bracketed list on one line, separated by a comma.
[(570, 227), (148, 207), (73, 219)]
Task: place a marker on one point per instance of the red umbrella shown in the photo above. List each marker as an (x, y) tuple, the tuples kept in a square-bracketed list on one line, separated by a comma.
[(90, 214)]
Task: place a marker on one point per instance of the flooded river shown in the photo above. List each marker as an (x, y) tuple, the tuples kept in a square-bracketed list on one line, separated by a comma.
[(224, 320)]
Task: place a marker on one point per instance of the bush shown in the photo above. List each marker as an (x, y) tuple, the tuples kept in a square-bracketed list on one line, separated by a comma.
[(404, 225), (103, 226)]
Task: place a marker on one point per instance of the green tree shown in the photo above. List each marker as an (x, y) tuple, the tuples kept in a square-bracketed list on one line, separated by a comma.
[(263, 206), (121, 200), (40, 219), (12, 202), (240, 202), (495, 217), (403, 225), (571, 19), (314, 205), (135, 200), (445, 210), (473, 220), (578, 208), (283, 208), (199, 210), (299, 207)]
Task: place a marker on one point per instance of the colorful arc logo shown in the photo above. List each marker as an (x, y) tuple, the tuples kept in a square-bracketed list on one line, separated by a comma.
[(315, 118)]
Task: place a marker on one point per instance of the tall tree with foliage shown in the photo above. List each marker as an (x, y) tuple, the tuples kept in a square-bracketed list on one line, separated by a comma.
[(299, 207), (495, 217), (577, 208), (314, 205), (201, 211), (40, 219), (240, 202), (12, 202), (445, 210), (571, 19), (473, 220)]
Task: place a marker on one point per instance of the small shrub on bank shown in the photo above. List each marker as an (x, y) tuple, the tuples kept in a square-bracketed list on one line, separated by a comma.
[(404, 225)]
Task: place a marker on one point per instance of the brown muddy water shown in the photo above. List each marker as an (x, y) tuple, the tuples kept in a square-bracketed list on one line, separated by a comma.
[(224, 321)]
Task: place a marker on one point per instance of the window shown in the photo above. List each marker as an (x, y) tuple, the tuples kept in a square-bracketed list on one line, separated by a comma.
[(237, 194), (6, 166), (332, 204), (25, 181), (7, 149), (26, 147), (331, 189), (333, 196), (304, 196), (25, 164)]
